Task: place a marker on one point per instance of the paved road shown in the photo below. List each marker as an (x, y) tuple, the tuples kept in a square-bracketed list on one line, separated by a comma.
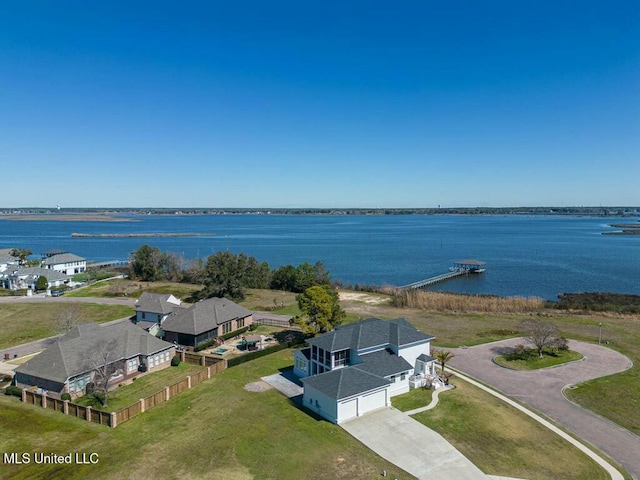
[(542, 390), (41, 299)]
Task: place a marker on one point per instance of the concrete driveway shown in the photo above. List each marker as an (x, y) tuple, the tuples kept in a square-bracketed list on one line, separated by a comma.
[(542, 390), (411, 446)]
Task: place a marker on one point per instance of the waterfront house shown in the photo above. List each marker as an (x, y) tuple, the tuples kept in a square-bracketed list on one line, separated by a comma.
[(66, 263), (358, 367), (70, 364), (204, 321), (18, 278)]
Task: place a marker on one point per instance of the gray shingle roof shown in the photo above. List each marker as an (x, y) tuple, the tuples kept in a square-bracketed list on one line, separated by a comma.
[(370, 333), (426, 358), (71, 354), (204, 316), (345, 382), (154, 303), (6, 258), (62, 258), (49, 274), (383, 363)]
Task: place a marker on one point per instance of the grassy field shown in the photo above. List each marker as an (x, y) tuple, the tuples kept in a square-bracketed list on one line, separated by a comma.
[(26, 322), (534, 362), (141, 388), (416, 398), (503, 441), (129, 288), (215, 430)]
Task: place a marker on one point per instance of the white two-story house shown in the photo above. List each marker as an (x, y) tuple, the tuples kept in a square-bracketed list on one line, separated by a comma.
[(65, 263), (358, 367)]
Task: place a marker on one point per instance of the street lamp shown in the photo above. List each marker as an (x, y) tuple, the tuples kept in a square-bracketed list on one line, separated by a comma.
[(599, 333)]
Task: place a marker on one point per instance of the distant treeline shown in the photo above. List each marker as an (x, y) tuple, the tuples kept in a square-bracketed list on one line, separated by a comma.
[(224, 274), (621, 211), (599, 302)]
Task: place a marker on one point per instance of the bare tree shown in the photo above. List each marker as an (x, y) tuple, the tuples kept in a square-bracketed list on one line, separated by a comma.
[(102, 360), (68, 318), (541, 334)]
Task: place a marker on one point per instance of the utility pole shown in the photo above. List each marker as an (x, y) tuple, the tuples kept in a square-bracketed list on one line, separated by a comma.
[(600, 333)]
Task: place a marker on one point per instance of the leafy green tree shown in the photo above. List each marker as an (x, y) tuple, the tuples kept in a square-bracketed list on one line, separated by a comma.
[(321, 307), (22, 254), (42, 283), (223, 276), (146, 264), (284, 278)]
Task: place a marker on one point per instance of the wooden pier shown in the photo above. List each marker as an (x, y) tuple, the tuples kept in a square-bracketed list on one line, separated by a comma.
[(463, 267)]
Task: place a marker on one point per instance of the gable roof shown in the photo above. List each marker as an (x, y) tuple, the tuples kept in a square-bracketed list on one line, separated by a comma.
[(345, 382), (71, 354), (369, 333), (204, 316), (62, 258), (155, 303)]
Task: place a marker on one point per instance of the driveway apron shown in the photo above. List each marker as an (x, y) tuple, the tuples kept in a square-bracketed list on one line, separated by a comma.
[(411, 446)]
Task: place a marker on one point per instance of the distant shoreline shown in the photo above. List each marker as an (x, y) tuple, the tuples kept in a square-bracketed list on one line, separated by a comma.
[(65, 217), (140, 235)]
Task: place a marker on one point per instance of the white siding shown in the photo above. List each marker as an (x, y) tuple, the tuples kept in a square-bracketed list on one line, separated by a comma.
[(411, 353), (320, 403)]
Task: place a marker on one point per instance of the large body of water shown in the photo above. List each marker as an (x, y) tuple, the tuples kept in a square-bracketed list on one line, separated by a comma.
[(525, 255)]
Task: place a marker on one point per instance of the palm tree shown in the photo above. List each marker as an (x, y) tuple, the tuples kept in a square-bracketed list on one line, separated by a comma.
[(443, 356)]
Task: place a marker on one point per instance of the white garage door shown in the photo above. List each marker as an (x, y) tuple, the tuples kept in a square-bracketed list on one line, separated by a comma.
[(347, 410), (372, 401)]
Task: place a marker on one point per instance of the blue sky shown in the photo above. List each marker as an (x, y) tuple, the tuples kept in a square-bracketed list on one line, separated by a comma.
[(319, 104)]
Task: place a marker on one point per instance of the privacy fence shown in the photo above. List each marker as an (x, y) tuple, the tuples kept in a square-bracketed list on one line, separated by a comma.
[(213, 365)]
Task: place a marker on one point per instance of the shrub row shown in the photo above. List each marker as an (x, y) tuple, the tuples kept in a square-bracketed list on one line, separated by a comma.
[(13, 390), (232, 362)]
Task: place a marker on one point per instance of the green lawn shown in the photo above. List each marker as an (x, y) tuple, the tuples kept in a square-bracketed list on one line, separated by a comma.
[(416, 398), (215, 430), (142, 387), (531, 361), (129, 288), (26, 322), (500, 440)]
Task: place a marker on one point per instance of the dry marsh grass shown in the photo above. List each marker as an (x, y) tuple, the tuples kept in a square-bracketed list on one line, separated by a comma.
[(437, 301)]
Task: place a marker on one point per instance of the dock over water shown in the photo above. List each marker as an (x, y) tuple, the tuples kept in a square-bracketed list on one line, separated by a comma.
[(462, 267)]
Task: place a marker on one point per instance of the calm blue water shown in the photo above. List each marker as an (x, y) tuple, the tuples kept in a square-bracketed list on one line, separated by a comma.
[(535, 255)]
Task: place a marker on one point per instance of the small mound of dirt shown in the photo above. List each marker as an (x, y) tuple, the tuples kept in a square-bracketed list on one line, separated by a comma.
[(257, 386)]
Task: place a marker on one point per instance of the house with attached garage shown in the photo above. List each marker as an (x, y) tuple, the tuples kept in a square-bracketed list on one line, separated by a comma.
[(205, 321), (358, 367), (71, 363)]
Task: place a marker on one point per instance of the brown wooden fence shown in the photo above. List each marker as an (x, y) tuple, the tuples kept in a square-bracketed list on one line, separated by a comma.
[(116, 418)]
